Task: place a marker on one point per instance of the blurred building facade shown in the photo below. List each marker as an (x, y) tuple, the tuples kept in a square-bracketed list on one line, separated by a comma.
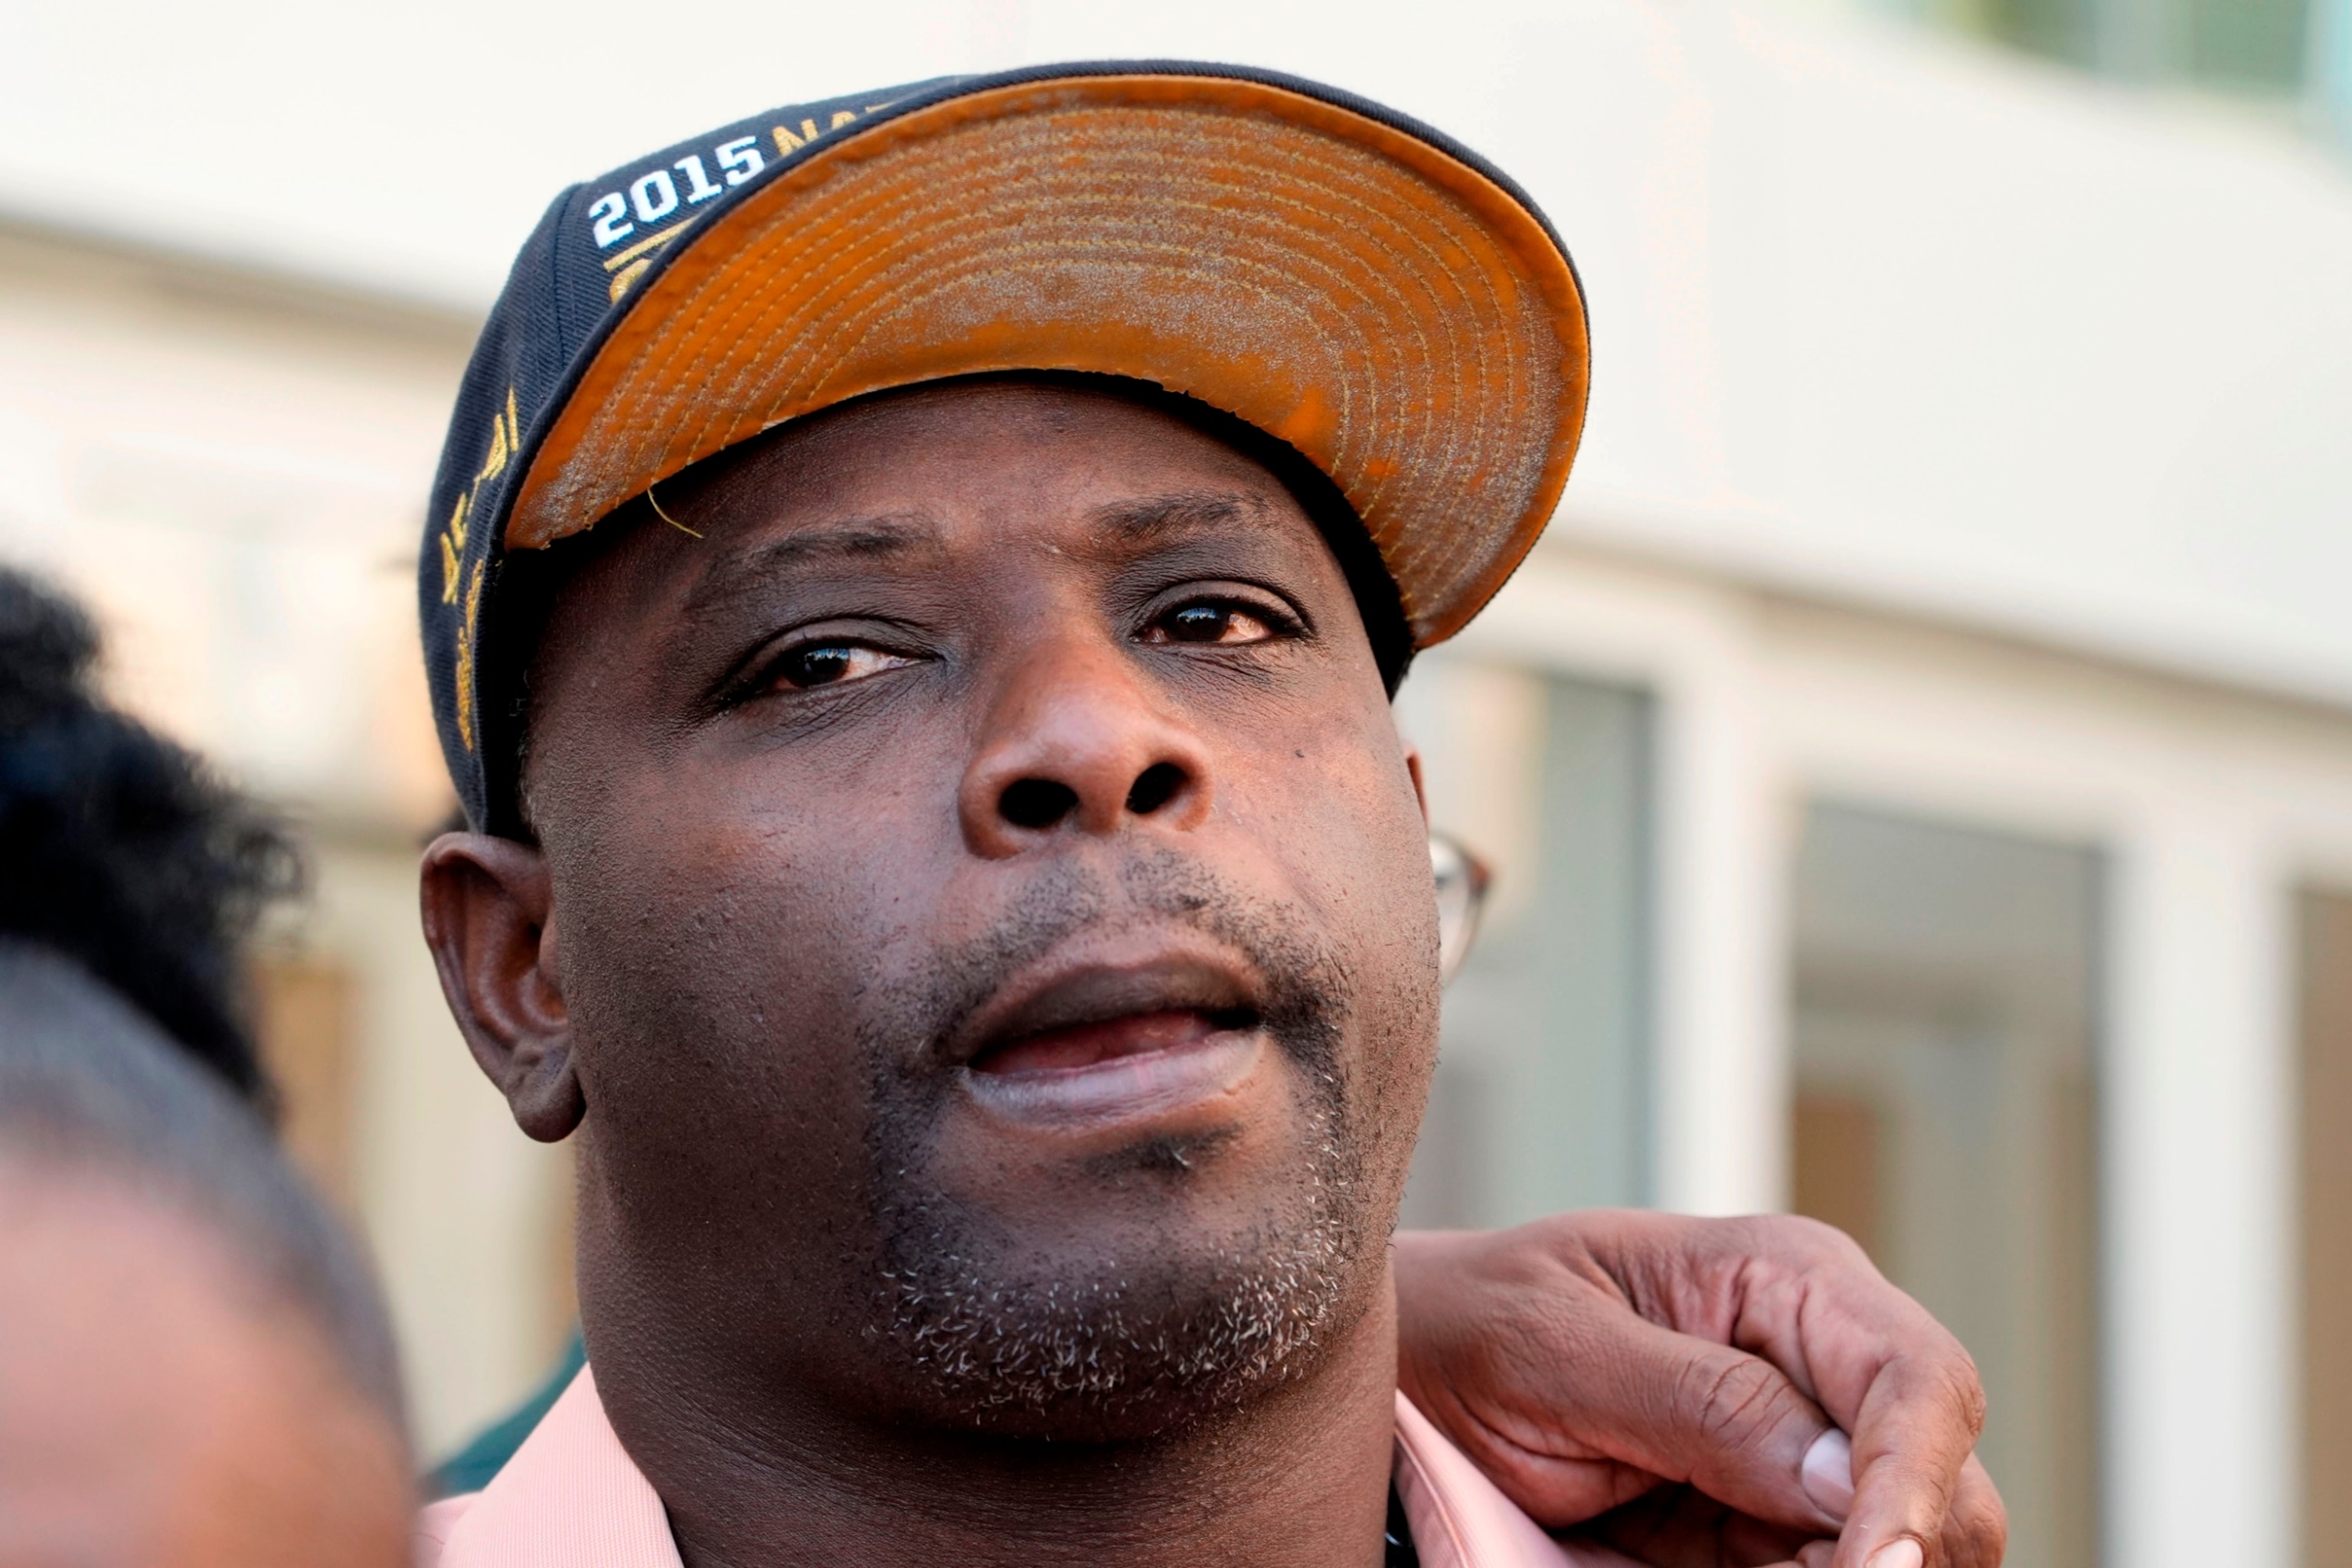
[(1918, 763), (228, 466)]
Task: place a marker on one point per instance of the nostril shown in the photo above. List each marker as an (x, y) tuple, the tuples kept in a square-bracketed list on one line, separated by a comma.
[(1154, 787), (1036, 803)]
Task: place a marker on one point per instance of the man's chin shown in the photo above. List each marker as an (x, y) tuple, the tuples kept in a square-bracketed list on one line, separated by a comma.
[(1128, 1345)]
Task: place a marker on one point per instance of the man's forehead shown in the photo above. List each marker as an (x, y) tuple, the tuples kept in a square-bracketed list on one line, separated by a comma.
[(1215, 532), (1048, 439)]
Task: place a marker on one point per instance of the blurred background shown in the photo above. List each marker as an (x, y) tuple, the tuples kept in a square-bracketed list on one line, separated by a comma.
[(1917, 764)]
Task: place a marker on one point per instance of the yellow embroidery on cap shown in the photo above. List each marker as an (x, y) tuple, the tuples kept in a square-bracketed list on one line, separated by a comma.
[(653, 241), (790, 141), (465, 672), (453, 548), (506, 445), (625, 277), (496, 463), (628, 266)]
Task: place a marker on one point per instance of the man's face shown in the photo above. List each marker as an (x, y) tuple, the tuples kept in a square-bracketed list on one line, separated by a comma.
[(992, 914)]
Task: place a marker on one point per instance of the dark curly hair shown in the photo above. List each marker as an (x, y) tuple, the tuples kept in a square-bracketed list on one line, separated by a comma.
[(122, 850)]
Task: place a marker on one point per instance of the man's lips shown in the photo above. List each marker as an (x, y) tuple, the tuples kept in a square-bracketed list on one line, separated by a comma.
[(1081, 1045), (1099, 1042), (1088, 1010)]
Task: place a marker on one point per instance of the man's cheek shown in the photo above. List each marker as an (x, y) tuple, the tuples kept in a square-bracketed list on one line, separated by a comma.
[(712, 985), (1355, 840), (1350, 838)]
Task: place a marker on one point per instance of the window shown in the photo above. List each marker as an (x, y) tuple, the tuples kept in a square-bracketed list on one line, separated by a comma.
[(2243, 45), (1945, 1115), (1542, 1096)]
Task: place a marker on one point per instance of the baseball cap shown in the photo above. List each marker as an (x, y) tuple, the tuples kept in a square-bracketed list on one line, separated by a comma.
[(1353, 284)]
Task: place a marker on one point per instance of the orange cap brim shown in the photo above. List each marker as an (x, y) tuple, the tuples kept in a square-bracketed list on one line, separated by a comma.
[(1395, 314)]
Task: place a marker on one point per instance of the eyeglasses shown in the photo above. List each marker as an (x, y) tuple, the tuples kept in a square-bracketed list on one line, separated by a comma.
[(1462, 882)]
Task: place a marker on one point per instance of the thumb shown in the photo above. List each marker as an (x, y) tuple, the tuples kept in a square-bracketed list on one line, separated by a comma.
[(1731, 1424), (1827, 1474)]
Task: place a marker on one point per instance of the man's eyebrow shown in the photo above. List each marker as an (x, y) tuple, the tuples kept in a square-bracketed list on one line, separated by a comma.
[(1148, 518), (849, 538)]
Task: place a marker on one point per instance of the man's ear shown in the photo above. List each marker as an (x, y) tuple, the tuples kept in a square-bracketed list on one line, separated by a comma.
[(1412, 766), (486, 902)]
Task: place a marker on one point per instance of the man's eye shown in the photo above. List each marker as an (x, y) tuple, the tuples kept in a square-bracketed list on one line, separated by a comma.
[(830, 664), (1212, 623)]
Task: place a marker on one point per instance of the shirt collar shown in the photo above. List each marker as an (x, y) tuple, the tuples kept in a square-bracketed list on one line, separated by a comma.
[(573, 1498)]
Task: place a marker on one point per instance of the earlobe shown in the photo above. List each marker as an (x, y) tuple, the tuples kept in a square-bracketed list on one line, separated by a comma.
[(488, 904)]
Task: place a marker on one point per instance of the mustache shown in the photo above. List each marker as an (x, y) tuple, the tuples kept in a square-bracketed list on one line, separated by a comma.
[(1305, 987)]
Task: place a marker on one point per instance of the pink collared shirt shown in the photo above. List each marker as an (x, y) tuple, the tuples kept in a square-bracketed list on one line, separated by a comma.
[(571, 1498)]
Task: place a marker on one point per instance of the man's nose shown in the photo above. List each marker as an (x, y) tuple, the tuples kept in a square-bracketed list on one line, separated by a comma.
[(1076, 741)]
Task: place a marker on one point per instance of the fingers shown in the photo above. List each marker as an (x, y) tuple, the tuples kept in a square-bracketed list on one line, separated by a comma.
[(1495, 1345), (1680, 1527), (1582, 1360), (1916, 1480), (1538, 1368), (1883, 1368), (1976, 1533), (1738, 1429), (1719, 1418)]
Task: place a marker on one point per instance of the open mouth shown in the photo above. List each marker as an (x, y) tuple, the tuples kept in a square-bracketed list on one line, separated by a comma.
[(1111, 1037), (1074, 1047)]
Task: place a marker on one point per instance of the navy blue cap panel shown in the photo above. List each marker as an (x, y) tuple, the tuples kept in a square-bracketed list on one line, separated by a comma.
[(518, 360), (568, 285), (618, 224)]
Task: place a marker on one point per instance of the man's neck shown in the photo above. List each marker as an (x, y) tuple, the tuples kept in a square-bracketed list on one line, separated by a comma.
[(1297, 1478)]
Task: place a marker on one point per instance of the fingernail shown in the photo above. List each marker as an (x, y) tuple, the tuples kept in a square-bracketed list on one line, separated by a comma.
[(1828, 1477), (1903, 1553)]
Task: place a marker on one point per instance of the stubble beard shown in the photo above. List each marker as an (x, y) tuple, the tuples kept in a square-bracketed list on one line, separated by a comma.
[(1124, 1345)]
